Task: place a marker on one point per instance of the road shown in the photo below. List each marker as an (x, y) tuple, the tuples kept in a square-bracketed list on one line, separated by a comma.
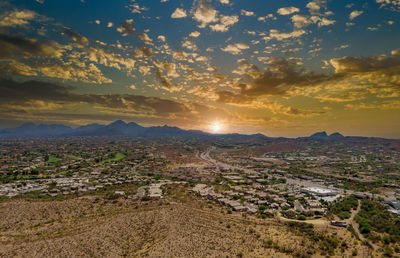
[(304, 183), (206, 156)]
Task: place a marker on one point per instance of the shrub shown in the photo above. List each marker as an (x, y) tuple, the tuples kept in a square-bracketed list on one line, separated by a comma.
[(112, 196), (301, 217)]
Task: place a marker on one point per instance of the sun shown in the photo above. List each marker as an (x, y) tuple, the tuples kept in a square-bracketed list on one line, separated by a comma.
[(216, 127)]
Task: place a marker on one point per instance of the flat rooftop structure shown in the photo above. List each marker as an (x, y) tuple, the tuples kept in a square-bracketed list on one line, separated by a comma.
[(319, 191)]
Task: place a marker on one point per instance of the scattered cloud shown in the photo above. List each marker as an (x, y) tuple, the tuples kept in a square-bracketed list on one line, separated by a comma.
[(194, 34), (276, 34), (224, 1), (247, 13), (126, 28), (17, 18), (226, 22), (178, 13), (288, 10), (235, 49), (205, 14), (355, 14), (78, 38)]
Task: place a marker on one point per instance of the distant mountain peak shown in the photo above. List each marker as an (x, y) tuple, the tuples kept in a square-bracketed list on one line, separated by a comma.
[(27, 125), (336, 135), (322, 134), (118, 122), (133, 124)]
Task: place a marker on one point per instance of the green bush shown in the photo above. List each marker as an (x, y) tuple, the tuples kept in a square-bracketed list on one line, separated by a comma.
[(373, 217), (342, 207), (112, 196), (301, 217)]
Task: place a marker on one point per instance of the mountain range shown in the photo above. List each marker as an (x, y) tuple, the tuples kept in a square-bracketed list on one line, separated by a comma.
[(120, 128)]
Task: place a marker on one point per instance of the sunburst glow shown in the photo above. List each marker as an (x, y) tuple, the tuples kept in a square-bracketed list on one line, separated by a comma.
[(216, 127)]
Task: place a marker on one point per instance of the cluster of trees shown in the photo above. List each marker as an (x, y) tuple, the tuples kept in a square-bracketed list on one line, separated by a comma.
[(342, 207), (377, 223)]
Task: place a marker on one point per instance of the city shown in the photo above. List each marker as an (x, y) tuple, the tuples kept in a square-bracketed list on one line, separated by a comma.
[(305, 183)]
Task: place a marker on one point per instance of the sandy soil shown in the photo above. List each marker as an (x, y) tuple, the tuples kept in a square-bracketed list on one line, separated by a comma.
[(178, 226)]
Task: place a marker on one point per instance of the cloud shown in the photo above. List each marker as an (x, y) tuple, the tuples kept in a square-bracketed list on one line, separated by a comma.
[(14, 47), (247, 13), (165, 81), (143, 52), (288, 77), (78, 38), (235, 49), (276, 34), (17, 18), (189, 45), (226, 22), (145, 38), (109, 59), (245, 68), (126, 28), (265, 18), (170, 68), (354, 79), (194, 34), (20, 93), (179, 13), (301, 21), (288, 10), (205, 14), (349, 65), (281, 77), (325, 22), (316, 5), (136, 8), (161, 38), (180, 55), (393, 5), (386, 105), (355, 14), (30, 57), (47, 101)]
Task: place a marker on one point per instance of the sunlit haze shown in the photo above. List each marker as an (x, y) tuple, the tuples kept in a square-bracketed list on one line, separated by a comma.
[(216, 127)]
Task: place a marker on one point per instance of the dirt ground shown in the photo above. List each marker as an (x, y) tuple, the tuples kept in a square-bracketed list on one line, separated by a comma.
[(177, 226)]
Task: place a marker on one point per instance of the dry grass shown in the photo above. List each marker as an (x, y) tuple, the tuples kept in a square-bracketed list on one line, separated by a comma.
[(179, 226)]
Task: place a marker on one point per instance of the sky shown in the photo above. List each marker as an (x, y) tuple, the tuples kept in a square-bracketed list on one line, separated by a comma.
[(281, 68)]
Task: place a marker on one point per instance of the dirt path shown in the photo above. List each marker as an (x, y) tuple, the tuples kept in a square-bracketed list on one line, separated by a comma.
[(315, 222), (355, 225)]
